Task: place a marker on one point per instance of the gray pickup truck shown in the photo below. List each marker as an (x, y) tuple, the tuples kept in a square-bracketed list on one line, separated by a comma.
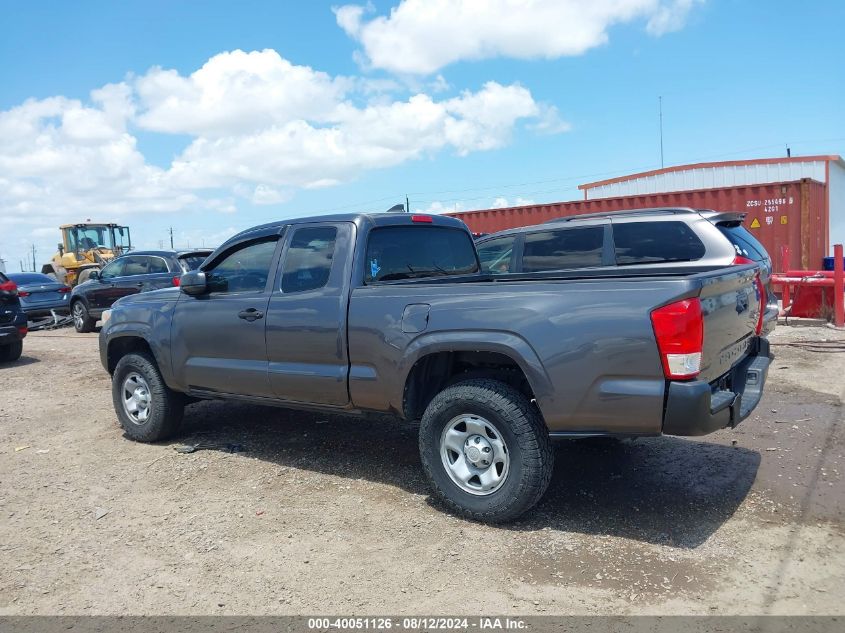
[(388, 314)]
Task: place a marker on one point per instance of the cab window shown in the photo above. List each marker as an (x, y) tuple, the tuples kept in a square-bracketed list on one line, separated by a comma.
[(244, 269), (308, 260), (413, 252)]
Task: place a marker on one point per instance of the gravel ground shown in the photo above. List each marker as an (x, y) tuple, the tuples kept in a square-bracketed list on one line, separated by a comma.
[(322, 515)]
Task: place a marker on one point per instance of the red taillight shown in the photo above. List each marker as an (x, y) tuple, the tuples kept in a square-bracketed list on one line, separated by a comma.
[(22, 331), (9, 286), (177, 281), (63, 291), (23, 293), (679, 331), (739, 260), (422, 218)]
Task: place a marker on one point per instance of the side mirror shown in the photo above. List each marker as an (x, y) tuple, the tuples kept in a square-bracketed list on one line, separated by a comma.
[(193, 283), (94, 274)]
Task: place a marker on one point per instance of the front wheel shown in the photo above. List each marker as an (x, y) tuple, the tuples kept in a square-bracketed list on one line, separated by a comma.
[(486, 450), (147, 408), (82, 321)]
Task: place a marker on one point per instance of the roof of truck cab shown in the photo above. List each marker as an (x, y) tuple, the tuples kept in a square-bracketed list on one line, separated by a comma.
[(374, 219)]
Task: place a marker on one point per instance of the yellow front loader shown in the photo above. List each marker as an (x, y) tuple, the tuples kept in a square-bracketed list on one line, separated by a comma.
[(86, 247)]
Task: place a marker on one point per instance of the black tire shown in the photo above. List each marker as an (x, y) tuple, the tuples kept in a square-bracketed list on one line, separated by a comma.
[(11, 352), (83, 322), (523, 432), (166, 406)]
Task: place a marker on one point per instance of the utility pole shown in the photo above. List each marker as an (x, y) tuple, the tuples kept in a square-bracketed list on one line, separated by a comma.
[(171, 238), (407, 204), (33, 258), (788, 152), (660, 108)]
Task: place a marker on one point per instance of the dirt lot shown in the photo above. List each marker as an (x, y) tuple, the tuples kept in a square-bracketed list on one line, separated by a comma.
[(325, 515)]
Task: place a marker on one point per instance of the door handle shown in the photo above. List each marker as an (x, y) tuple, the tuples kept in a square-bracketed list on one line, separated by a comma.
[(250, 314)]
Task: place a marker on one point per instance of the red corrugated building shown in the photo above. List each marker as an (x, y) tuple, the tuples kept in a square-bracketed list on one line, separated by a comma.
[(798, 201)]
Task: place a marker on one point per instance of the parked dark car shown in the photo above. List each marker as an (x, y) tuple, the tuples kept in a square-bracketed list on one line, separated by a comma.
[(662, 238), (388, 314), (12, 321), (138, 271), (39, 294)]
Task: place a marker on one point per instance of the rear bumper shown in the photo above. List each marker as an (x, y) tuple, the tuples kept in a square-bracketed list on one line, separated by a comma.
[(698, 408)]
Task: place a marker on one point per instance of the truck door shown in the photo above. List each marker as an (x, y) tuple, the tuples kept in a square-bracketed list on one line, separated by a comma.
[(217, 338), (306, 318)]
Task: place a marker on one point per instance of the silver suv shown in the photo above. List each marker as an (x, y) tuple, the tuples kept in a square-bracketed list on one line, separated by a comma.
[(660, 238)]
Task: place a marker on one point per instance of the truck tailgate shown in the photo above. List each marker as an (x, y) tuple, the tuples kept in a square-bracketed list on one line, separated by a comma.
[(730, 305)]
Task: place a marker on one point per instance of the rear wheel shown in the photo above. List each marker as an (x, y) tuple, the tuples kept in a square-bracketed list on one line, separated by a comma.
[(148, 410), (11, 352), (82, 321), (486, 450)]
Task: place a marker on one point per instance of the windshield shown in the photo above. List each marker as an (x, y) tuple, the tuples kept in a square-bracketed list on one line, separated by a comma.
[(88, 237)]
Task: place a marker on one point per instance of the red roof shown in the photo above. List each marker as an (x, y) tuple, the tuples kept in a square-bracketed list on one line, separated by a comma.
[(728, 163)]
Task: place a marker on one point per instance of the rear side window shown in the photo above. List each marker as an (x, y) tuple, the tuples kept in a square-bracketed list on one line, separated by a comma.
[(745, 244), (495, 255), (309, 259), (655, 242), (412, 252), (135, 265), (157, 265), (563, 249)]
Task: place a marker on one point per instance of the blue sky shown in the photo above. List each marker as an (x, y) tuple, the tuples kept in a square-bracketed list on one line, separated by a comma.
[(352, 109)]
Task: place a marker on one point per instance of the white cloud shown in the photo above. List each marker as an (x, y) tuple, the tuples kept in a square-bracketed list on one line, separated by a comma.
[(437, 207), (258, 128), (501, 202), (237, 92), (301, 153), (670, 16), (423, 36), (549, 121)]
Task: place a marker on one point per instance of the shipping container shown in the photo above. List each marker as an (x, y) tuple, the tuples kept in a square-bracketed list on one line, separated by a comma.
[(793, 214)]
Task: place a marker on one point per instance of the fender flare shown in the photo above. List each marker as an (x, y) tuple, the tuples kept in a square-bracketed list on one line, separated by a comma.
[(141, 332), (507, 343)]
